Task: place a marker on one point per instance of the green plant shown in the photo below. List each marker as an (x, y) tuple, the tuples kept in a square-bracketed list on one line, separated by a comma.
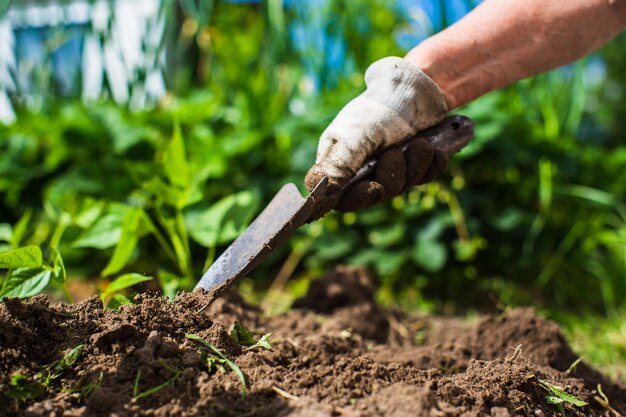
[(112, 291), (529, 213), (25, 388), (82, 390), (137, 395), (28, 274), (246, 338), (558, 397), (214, 359)]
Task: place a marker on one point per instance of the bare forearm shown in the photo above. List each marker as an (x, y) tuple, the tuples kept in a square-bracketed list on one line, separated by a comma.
[(503, 41)]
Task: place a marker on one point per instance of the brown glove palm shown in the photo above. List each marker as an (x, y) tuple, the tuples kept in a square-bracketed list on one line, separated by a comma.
[(396, 172)]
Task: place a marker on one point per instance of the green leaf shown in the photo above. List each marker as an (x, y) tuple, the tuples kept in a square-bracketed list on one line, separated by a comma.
[(175, 160), (169, 283), (430, 255), (123, 282), (331, 246), (25, 282), (557, 395), (69, 359), (117, 300), (159, 387), (223, 221), (508, 219), (91, 211), (387, 235), (24, 388), (432, 230), (58, 267), (168, 194), (554, 400), (428, 252), (25, 257), (242, 335), (386, 262), (232, 365), (19, 230), (263, 343), (6, 231), (104, 233), (127, 241)]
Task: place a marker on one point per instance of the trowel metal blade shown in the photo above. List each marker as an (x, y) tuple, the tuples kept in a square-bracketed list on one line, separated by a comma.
[(287, 211)]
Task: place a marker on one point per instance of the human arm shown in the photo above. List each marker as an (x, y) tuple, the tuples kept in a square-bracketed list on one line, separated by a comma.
[(503, 41), (498, 43)]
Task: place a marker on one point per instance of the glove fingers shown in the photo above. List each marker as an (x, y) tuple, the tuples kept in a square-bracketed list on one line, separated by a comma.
[(391, 172), (419, 157), (361, 195), (439, 165), (313, 177)]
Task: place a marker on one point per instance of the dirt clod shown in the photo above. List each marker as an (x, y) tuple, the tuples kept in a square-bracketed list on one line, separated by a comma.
[(336, 353)]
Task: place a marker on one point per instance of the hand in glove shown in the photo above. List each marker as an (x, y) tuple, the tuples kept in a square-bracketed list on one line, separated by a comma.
[(399, 101), (395, 173)]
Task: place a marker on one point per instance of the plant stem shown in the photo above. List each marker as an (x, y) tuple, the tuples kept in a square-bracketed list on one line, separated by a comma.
[(161, 239), (181, 255)]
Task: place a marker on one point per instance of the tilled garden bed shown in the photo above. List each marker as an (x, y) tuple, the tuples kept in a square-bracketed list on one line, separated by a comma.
[(335, 353)]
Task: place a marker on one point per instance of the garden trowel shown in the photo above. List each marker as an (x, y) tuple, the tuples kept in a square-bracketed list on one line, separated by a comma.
[(289, 210)]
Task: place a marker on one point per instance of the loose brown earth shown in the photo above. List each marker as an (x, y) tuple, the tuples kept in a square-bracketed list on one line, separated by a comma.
[(334, 354)]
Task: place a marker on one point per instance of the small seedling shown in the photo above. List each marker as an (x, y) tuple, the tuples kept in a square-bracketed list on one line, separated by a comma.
[(246, 338), (54, 370), (81, 391), (242, 335), (558, 397), (263, 343), (218, 360), (23, 388), (573, 366), (139, 395), (113, 290)]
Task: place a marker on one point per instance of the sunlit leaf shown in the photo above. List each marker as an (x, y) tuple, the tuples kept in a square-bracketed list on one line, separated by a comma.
[(263, 343), (90, 212), (58, 267), (430, 255), (25, 282), (117, 300), (169, 283), (105, 232), (6, 232), (123, 282), (23, 388), (242, 335), (25, 257), (216, 351), (69, 359), (166, 193), (557, 395), (175, 160), (127, 242), (19, 230), (222, 221)]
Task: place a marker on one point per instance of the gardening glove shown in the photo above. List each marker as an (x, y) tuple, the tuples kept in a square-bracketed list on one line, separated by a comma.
[(395, 173), (399, 101)]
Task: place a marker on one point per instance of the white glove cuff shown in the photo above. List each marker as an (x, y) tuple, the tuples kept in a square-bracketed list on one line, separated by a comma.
[(407, 90)]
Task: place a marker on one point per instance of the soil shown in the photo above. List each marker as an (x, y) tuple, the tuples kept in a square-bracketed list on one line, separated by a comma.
[(335, 353)]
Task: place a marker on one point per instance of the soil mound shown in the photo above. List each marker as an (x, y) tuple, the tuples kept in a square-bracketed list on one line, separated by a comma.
[(336, 353)]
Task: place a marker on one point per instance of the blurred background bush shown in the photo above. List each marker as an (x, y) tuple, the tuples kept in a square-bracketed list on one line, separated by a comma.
[(143, 136)]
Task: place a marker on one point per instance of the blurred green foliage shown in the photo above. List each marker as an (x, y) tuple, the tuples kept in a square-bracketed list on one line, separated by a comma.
[(532, 212)]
